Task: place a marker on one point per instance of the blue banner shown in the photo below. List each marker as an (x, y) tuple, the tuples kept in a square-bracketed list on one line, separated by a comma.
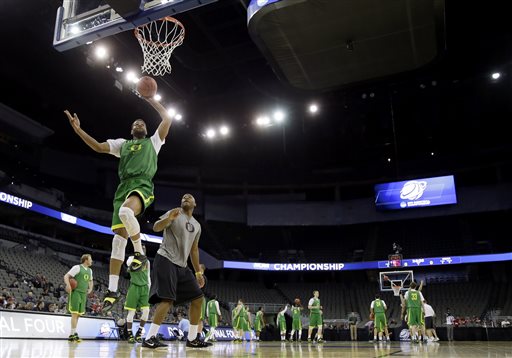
[(415, 193), (368, 265), (70, 219)]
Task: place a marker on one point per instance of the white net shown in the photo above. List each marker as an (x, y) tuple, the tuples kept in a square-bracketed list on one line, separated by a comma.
[(158, 39)]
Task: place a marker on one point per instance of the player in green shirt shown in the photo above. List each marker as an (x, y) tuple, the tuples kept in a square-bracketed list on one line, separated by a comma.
[(259, 322), (214, 316), (77, 300), (296, 320), (281, 322), (315, 317), (137, 167), (137, 297), (378, 310), (414, 304), (238, 320)]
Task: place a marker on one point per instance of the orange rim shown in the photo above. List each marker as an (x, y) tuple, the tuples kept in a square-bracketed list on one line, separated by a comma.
[(137, 31)]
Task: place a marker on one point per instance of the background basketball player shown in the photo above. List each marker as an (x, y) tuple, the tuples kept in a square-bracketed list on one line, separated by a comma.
[(77, 299)]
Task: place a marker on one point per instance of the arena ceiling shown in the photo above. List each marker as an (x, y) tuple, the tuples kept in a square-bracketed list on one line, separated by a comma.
[(447, 115)]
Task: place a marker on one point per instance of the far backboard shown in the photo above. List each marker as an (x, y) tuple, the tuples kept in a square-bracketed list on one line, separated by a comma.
[(81, 21), (399, 278)]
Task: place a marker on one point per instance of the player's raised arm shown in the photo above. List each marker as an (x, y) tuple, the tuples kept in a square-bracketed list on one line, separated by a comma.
[(166, 219), (163, 128), (90, 141)]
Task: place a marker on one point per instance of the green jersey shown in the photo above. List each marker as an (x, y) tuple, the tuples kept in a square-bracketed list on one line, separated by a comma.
[(296, 313), (243, 313), (83, 277), (141, 277), (379, 306), (212, 307), (238, 312), (413, 299), (259, 317), (315, 304), (138, 158)]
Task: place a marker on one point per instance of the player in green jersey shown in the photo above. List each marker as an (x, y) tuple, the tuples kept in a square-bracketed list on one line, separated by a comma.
[(259, 322), (137, 167), (238, 320), (77, 299), (378, 309), (281, 322), (214, 317), (414, 305), (137, 297), (296, 320), (315, 318)]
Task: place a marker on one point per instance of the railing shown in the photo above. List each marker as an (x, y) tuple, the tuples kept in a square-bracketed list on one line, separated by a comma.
[(254, 306)]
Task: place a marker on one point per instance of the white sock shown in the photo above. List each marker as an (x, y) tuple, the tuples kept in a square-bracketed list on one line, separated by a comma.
[(210, 335), (153, 330), (73, 331), (192, 332), (137, 246), (113, 280)]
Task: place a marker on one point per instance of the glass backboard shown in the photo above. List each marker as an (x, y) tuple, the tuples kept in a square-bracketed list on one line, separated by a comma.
[(81, 21)]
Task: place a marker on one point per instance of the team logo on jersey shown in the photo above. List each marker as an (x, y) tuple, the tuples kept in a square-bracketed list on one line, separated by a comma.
[(86, 277), (135, 147)]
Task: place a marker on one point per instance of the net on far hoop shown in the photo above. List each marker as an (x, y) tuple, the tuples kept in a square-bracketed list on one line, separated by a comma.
[(158, 39)]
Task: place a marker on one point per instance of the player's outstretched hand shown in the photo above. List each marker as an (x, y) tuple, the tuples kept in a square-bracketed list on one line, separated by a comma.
[(174, 213), (73, 120)]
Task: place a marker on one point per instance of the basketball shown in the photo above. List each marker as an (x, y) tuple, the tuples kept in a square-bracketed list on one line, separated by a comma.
[(73, 283), (147, 86), (385, 277), (297, 302), (372, 316)]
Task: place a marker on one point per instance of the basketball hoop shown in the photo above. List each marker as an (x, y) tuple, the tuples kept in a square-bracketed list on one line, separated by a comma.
[(158, 39)]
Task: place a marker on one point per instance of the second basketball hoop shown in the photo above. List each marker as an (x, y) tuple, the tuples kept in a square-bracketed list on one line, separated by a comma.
[(158, 39)]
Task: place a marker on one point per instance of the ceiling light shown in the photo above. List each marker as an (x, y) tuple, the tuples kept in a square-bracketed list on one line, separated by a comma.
[(101, 52), (224, 130), (210, 133), (172, 112), (279, 116), (313, 108), (131, 76), (496, 75), (157, 97), (119, 69), (178, 117), (263, 121)]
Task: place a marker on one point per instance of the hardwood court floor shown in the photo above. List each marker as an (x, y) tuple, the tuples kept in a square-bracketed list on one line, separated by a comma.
[(10, 348)]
